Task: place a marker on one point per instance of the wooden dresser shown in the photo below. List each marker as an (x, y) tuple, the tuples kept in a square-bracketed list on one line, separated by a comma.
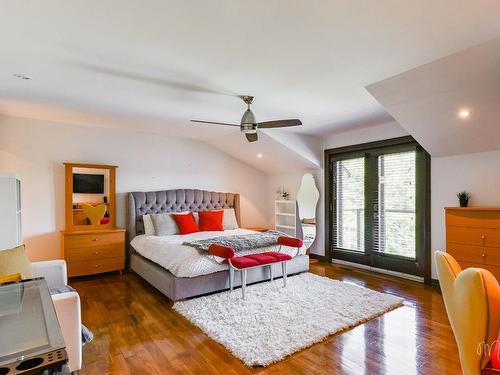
[(90, 252), (473, 237)]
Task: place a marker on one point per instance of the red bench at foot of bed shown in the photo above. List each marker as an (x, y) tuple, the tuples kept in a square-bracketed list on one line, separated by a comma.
[(245, 262)]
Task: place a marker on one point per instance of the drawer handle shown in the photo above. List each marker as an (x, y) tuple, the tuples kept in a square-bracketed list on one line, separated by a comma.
[(96, 253), (96, 266), (483, 255), (483, 237), (94, 239)]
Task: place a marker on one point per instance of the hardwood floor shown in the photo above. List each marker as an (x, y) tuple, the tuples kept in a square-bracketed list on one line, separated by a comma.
[(136, 332)]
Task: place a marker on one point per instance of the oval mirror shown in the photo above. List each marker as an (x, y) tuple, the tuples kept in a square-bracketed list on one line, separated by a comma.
[(307, 200)]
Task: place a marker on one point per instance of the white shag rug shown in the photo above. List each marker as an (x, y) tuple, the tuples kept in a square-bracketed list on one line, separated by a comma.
[(274, 322)]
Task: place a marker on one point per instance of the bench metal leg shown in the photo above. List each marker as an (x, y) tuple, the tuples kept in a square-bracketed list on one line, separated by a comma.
[(231, 278), (283, 267), (271, 272), (243, 282)]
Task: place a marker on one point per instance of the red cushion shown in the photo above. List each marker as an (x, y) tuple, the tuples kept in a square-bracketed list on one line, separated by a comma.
[(495, 354), (243, 262), (186, 223), (278, 256), (261, 258), (221, 251), (211, 220), (290, 241)]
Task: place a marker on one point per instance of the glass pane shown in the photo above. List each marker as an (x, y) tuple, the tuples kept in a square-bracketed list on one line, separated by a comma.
[(350, 204), (395, 229)]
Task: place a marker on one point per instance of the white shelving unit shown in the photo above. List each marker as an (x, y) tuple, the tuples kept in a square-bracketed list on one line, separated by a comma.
[(10, 207), (285, 217)]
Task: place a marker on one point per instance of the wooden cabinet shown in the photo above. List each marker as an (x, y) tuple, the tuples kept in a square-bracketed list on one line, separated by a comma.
[(91, 252), (473, 237)]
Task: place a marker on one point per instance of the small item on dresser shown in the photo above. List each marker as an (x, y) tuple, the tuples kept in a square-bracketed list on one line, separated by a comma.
[(186, 223), (463, 198), (211, 220)]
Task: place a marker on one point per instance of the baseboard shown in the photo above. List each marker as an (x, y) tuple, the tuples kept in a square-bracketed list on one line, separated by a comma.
[(321, 258), (379, 270)]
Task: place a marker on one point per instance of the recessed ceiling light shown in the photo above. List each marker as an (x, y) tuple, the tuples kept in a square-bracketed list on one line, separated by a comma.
[(21, 76), (464, 113), (259, 156)]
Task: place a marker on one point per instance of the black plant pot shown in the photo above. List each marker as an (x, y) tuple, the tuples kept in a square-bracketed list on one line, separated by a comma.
[(464, 202)]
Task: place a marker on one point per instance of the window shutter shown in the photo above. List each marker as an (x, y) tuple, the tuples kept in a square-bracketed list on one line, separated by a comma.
[(394, 211), (349, 194)]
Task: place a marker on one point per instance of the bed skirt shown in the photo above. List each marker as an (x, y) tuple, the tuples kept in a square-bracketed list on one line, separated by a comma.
[(176, 288)]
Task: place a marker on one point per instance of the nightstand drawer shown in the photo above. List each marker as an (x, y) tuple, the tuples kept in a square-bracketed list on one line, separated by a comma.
[(93, 240), (94, 252), (91, 267)]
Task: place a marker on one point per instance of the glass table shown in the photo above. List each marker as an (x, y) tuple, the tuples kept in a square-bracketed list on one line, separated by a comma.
[(31, 340)]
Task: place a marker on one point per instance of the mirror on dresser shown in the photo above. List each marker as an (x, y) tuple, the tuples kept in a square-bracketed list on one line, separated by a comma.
[(91, 242), (307, 200)]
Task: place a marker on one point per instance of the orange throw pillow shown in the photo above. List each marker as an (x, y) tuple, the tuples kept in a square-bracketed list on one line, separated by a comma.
[(211, 220), (186, 223)]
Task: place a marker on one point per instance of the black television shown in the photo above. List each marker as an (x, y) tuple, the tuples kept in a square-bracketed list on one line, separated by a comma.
[(88, 183)]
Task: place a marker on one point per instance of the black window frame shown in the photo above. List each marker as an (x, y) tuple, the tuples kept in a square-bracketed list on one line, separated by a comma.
[(421, 266)]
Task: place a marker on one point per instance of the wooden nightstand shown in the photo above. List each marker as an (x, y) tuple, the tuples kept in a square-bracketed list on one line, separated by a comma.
[(93, 251)]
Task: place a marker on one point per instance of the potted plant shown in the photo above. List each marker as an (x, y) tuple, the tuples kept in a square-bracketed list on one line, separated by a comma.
[(463, 198)]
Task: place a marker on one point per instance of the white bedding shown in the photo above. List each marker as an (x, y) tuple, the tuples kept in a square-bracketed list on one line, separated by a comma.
[(186, 261)]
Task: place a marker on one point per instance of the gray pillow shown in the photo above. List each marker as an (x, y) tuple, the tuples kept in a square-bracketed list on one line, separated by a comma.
[(164, 224)]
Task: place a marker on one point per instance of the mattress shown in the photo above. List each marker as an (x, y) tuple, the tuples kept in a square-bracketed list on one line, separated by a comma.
[(185, 261)]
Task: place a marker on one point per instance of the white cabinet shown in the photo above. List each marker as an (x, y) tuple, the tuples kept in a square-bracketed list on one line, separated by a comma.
[(10, 211)]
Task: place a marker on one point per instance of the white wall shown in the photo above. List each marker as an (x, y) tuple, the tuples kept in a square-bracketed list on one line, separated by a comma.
[(36, 150)]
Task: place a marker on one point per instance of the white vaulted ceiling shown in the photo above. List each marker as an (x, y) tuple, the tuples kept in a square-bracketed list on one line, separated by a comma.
[(427, 101), (153, 65)]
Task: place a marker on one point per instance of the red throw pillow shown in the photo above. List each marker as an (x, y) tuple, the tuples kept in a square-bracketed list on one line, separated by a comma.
[(186, 223), (211, 220)]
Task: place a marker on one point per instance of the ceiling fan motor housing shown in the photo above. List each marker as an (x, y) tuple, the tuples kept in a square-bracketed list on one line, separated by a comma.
[(248, 123)]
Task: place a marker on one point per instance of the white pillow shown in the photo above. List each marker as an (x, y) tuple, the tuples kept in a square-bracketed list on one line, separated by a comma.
[(229, 219), (149, 229), (164, 224)]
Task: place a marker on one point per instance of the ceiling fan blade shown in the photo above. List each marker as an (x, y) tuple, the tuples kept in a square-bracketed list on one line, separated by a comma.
[(252, 137), (279, 123), (216, 123)]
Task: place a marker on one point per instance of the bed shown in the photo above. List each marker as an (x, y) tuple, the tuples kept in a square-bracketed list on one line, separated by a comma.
[(183, 275)]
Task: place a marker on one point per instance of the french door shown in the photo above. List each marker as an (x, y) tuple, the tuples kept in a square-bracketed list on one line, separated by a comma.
[(378, 205)]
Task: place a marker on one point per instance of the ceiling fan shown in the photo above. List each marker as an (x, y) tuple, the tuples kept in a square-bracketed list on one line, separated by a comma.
[(249, 126)]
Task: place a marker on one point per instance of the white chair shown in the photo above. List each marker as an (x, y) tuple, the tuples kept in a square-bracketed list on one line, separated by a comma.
[(67, 306)]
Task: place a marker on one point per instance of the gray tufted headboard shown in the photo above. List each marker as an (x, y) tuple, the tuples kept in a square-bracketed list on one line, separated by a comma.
[(177, 200)]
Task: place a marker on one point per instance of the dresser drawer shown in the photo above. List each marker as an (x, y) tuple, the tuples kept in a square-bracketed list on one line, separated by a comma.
[(93, 240), (474, 236), (94, 252), (91, 267), (465, 253), (473, 218)]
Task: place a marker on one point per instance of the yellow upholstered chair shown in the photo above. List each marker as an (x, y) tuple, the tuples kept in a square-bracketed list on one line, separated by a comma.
[(472, 300), (94, 213)]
